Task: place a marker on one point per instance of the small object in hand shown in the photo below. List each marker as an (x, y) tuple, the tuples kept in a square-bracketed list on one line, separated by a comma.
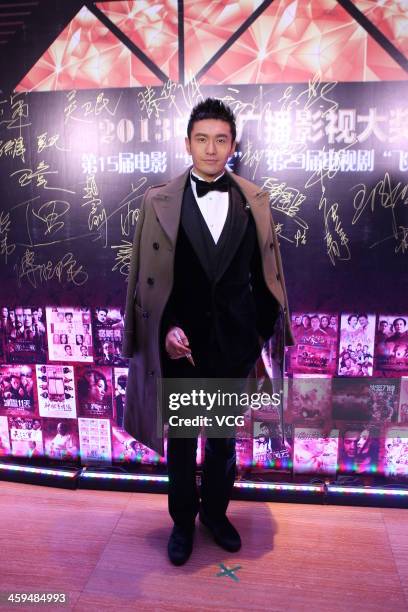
[(188, 355)]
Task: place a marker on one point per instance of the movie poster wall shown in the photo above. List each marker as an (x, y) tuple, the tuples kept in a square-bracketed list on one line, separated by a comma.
[(76, 158)]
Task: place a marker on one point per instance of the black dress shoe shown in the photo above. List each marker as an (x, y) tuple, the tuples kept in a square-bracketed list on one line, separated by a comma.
[(223, 531), (180, 545)]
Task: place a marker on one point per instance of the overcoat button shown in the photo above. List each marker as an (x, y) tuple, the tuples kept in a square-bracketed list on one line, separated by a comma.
[(145, 314), (271, 245), (150, 281), (156, 246), (278, 277)]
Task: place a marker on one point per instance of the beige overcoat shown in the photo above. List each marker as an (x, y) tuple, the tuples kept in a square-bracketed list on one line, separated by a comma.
[(150, 283)]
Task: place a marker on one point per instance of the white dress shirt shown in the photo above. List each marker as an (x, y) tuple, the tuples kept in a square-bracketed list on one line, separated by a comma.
[(213, 207)]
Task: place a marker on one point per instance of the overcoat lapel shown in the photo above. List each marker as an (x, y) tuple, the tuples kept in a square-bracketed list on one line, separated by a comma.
[(259, 204), (167, 203)]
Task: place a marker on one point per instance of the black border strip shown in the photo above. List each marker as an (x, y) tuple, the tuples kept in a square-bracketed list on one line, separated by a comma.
[(181, 63), (126, 41), (375, 33)]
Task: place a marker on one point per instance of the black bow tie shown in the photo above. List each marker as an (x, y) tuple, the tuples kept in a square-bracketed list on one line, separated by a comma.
[(203, 187)]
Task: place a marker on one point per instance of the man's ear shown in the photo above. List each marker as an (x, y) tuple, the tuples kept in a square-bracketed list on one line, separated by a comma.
[(187, 141)]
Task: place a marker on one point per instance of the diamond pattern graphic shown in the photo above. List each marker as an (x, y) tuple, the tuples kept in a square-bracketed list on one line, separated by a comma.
[(86, 55), (208, 25), (390, 17), (293, 40), (151, 26)]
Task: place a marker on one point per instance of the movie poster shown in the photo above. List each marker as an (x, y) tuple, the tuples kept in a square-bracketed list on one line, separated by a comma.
[(69, 334), (108, 325), (17, 390), (94, 386), (268, 448), (24, 334), (56, 391), (61, 439), (244, 442), (309, 400), (5, 448), (94, 441), (391, 346), (403, 401), (120, 380), (394, 455), (384, 400), (316, 344), (356, 348), (313, 452), (374, 400), (126, 449), (26, 437), (3, 330), (359, 445)]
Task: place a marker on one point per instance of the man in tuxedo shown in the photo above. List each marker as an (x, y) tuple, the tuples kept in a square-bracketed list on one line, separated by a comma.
[(205, 291)]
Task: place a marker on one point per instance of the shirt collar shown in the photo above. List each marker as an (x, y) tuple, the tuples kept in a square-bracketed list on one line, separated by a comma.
[(201, 179)]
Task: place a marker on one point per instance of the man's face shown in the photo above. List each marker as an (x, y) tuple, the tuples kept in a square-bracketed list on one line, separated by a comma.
[(27, 316), (68, 350), (363, 321), (102, 316), (383, 326), (19, 317), (350, 443), (4, 313), (315, 323), (210, 145), (399, 326), (298, 320), (15, 383)]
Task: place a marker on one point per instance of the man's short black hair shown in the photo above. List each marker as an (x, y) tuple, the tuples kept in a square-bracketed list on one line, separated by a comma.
[(212, 109)]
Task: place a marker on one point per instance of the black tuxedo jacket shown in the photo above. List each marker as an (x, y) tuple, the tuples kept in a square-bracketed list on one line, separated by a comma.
[(219, 297)]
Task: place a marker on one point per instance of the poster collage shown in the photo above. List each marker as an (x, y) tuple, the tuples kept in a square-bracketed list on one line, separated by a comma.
[(63, 383)]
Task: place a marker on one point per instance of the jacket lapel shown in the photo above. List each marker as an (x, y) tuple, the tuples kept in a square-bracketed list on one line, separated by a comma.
[(236, 233), (167, 201)]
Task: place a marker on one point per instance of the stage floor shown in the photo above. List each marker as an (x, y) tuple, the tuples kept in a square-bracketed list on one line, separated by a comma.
[(107, 551)]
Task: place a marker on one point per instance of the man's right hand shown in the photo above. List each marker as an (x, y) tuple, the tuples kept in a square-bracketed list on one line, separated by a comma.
[(176, 343)]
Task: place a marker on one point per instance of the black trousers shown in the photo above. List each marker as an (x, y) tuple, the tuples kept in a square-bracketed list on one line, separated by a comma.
[(219, 467), (219, 470)]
